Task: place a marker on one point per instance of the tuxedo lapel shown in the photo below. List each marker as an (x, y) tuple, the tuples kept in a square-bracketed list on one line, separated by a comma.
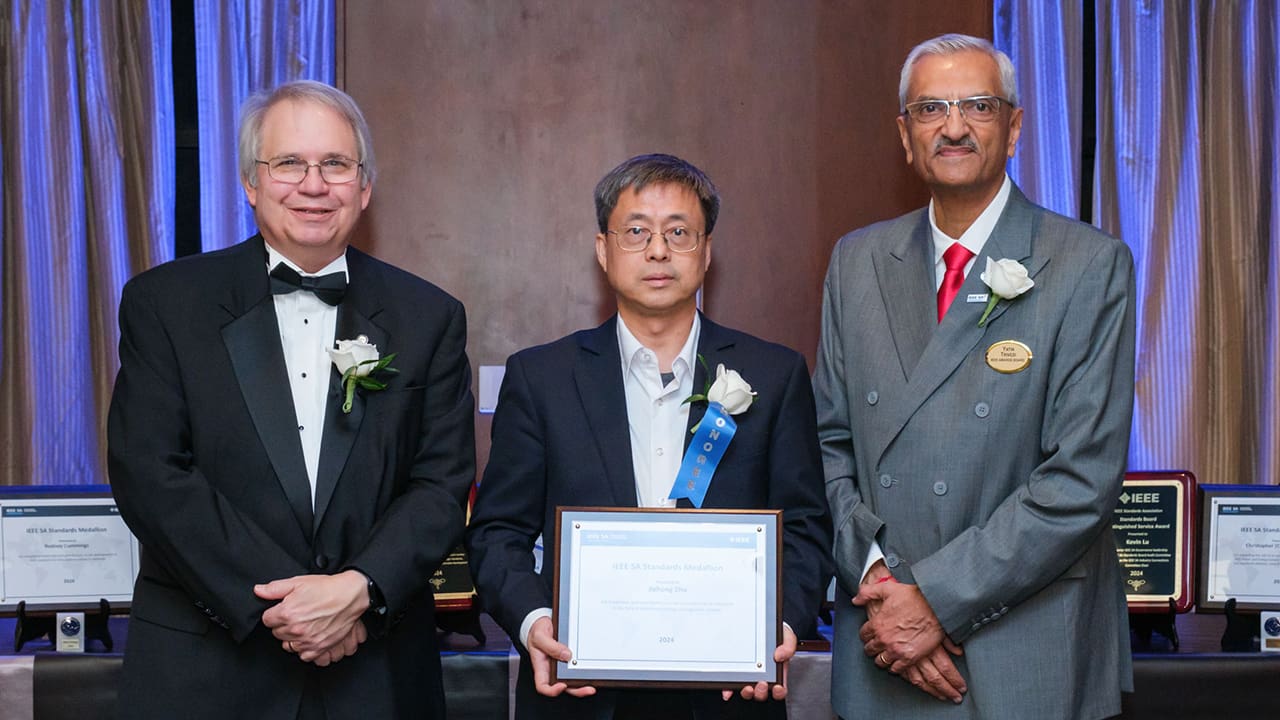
[(905, 277), (252, 340), (598, 376), (958, 334), (356, 316)]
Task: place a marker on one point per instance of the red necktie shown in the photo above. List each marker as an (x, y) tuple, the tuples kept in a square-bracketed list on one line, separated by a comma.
[(955, 258)]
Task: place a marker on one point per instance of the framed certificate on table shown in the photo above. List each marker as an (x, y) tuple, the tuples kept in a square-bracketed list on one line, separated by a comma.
[(64, 548), (671, 598), (1239, 547)]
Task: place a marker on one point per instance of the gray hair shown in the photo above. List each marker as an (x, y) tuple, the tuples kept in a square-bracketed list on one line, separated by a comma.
[(954, 43), (255, 109), (643, 170)]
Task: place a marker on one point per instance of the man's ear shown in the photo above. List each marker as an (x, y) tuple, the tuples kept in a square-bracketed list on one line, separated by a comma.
[(250, 192), (1015, 130), (366, 192), (905, 134), (602, 251)]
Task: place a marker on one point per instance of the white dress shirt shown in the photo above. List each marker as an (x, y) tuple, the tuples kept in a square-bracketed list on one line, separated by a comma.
[(657, 415), (974, 239), (658, 419), (307, 327)]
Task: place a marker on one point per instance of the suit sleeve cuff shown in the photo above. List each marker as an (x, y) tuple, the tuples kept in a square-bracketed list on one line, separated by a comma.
[(874, 555), (529, 620)]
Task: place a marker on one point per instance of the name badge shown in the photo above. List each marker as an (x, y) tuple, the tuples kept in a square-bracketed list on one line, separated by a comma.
[(976, 297), (1008, 357)]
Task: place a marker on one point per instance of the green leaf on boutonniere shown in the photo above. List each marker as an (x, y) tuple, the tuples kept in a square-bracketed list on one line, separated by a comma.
[(350, 379)]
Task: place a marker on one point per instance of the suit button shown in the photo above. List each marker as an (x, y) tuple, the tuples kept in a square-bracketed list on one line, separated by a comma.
[(939, 488), (322, 562), (892, 560), (873, 397), (982, 409), (885, 480)]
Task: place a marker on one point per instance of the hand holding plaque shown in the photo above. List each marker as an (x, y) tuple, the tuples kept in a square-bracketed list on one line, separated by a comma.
[(544, 652)]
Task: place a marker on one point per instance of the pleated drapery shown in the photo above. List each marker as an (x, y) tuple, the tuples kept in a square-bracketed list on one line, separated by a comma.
[(87, 141), (243, 46), (1044, 40), (1187, 173)]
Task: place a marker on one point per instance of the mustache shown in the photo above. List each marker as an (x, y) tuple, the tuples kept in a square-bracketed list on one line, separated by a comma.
[(966, 142)]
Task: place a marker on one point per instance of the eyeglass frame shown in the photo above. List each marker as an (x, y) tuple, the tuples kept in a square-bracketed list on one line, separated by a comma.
[(697, 241), (948, 104), (359, 167)]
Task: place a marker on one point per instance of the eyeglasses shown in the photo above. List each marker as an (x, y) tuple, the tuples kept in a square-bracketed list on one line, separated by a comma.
[(636, 238), (980, 108), (334, 171)]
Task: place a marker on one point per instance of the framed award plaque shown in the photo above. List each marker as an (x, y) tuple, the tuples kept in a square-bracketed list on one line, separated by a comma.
[(451, 582), (1153, 525)]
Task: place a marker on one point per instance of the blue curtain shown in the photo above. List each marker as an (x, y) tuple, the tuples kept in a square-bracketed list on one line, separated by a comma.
[(87, 140), (1044, 40), (242, 47), (1187, 173)]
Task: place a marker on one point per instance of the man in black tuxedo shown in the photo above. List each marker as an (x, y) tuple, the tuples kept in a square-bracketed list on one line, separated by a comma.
[(597, 418), (281, 532)]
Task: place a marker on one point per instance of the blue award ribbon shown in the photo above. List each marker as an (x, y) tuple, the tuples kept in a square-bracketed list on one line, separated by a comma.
[(715, 432)]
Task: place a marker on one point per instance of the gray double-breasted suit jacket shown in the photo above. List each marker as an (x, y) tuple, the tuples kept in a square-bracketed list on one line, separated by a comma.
[(991, 491)]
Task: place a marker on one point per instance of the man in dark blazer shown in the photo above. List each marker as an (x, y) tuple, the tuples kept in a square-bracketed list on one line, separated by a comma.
[(975, 391), (288, 540), (596, 418)]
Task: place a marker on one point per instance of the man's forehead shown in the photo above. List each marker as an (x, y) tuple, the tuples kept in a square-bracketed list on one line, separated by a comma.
[(634, 202), (964, 73), (291, 120)]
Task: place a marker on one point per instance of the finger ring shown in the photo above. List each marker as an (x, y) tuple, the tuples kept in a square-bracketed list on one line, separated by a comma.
[(880, 659), (290, 644)]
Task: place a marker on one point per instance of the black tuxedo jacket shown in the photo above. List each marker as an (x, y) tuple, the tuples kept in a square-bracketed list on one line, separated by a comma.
[(207, 468), (560, 437)]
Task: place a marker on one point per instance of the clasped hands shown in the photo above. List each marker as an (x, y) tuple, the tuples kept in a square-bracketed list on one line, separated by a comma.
[(544, 649), (903, 635), (317, 616)]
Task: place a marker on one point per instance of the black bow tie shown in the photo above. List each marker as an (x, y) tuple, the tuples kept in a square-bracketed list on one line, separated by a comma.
[(329, 288)]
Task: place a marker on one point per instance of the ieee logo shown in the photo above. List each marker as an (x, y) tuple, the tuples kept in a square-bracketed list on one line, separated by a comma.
[(1139, 497)]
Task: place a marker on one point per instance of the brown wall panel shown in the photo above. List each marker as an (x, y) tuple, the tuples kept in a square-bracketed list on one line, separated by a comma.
[(493, 120)]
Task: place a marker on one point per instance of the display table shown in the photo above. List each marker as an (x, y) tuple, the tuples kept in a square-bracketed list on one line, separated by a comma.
[(43, 685)]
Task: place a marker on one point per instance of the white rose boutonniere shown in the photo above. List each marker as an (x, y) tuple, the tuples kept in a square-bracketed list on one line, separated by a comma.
[(732, 392), (357, 360), (729, 390), (1007, 279)]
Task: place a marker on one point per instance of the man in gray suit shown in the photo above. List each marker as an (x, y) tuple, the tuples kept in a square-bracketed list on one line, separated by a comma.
[(974, 449)]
